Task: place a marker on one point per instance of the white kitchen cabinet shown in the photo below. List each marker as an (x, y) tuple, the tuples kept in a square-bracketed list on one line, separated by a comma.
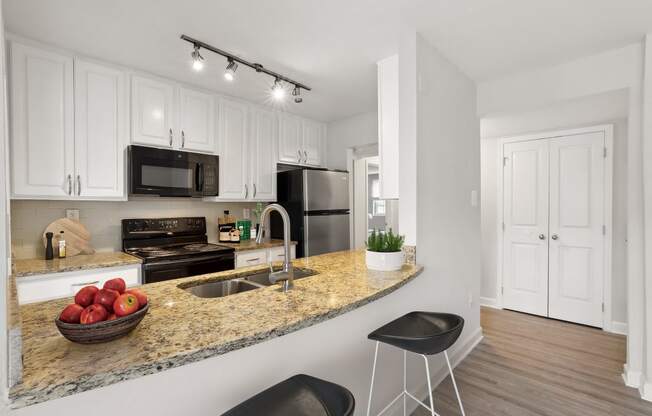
[(290, 142), (262, 149), (300, 141), (278, 253), (42, 123), (196, 120), (232, 149), (388, 127), (101, 130), (44, 287), (153, 112), (262, 256), (312, 143)]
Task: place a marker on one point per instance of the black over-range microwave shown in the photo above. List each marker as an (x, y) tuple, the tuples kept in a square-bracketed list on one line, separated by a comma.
[(172, 173)]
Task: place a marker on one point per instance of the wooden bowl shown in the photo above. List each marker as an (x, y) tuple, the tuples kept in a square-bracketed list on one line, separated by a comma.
[(102, 331)]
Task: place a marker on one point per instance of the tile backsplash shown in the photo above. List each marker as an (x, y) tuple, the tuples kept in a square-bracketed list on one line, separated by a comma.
[(29, 219)]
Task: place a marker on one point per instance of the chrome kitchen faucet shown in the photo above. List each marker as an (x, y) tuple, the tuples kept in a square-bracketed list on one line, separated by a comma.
[(286, 275)]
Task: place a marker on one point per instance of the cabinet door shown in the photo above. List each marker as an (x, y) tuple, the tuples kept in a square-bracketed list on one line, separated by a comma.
[(196, 120), (234, 178), (312, 142), (290, 140), (42, 124), (262, 144), (100, 130), (152, 112)]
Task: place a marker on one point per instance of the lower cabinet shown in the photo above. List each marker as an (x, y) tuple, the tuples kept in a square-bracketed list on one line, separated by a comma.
[(264, 256), (44, 287)]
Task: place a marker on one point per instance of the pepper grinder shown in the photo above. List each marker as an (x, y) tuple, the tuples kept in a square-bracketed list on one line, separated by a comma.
[(49, 250)]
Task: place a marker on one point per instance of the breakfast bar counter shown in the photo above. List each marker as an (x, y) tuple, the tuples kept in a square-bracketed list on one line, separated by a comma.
[(181, 328)]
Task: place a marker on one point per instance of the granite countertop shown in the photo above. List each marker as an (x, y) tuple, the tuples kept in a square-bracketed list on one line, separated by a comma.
[(181, 328), (29, 267), (252, 245)]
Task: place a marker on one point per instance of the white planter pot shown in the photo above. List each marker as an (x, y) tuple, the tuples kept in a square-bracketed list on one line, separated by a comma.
[(385, 262)]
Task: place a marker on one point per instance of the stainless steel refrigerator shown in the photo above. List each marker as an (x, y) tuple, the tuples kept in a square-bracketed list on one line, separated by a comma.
[(317, 201)]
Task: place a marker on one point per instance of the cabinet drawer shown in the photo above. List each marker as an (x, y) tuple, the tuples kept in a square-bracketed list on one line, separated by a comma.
[(60, 285), (250, 258), (278, 253)]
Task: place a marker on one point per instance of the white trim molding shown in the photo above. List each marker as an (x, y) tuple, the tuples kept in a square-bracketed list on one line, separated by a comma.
[(607, 129), (489, 302), (632, 378), (646, 390), (619, 328)]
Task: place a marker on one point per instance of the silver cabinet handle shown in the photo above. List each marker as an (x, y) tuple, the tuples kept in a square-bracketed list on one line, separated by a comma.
[(255, 190), (542, 236), (246, 192), (305, 159), (69, 184), (299, 153), (554, 236), (94, 282), (183, 139), (253, 260), (78, 185), (170, 136)]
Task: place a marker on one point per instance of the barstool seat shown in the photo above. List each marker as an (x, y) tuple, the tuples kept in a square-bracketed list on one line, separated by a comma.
[(300, 395), (425, 333)]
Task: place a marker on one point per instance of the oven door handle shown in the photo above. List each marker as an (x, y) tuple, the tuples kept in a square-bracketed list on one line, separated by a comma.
[(191, 260)]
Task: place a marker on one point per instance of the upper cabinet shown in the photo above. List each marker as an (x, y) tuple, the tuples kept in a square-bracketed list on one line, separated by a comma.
[(232, 149), (262, 145), (301, 141), (101, 130), (388, 133), (67, 139), (196, 120), (153, 113), (166, 115), (42, 127)]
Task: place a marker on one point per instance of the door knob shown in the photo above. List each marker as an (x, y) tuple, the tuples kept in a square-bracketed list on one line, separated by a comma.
[(554, 236), (542, 236)]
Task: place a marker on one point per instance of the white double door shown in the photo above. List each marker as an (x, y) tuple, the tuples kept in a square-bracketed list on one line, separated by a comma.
[(553, 209)]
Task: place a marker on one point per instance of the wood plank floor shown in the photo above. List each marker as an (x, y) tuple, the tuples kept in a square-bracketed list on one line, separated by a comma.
[(528, 365)]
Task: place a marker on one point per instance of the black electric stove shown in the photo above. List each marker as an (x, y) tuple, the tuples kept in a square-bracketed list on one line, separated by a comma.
[(171, 248)]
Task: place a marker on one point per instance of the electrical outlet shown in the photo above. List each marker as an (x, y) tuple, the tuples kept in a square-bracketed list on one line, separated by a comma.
[(72, 214), (246, 212)]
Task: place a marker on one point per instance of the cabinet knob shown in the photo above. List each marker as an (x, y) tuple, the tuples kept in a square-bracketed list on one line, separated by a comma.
[(542, 236), (78, 185), (254, 190), (69, 184), (246, 191), (554, 236), (170, 136), (305, 158), (299, 153), (183, 139)]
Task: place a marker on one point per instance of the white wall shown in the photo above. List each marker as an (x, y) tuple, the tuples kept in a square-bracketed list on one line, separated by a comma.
[(4, 222), (350, 132), (607, 108), (589, 76), (29, 219)]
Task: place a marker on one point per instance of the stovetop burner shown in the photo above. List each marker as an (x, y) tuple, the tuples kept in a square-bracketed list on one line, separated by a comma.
[(184, 250)]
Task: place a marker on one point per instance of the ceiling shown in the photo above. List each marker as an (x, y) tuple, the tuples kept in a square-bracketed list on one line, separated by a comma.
[(332, 45)]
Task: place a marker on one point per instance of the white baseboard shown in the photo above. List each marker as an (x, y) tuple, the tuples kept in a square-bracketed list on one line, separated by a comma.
[(632, 378), (456, 356), (619, 328), (489, 302), (646, 391)]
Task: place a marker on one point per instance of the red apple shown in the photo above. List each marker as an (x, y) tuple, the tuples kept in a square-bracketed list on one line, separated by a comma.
[(106, 297), (71, 313), (140, 295), (112, 317), (86, 295), (116, 284), (93, 314), (125, 305)]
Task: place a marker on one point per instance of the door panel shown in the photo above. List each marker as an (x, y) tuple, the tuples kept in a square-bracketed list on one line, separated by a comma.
[(325, 190), (152, 112), (525, 245), (263, 150), (290, 140), (576, 221), (326, 233), (197, 120), (312, 133), (234, 180)]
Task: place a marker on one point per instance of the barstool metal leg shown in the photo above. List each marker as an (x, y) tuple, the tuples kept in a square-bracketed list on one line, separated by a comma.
[(373, 374), (432, 403), (450, 369), (404, 382)]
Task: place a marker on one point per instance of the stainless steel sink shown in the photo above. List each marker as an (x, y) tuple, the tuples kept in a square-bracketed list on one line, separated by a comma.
[(239, 285), (223, 288), (263, 278)]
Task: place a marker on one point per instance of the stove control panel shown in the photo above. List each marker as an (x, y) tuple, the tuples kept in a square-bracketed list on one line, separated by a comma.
[(157, 227)]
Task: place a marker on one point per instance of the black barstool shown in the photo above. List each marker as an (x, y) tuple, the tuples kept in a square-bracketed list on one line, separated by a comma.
[(299, 395), (423, 333)]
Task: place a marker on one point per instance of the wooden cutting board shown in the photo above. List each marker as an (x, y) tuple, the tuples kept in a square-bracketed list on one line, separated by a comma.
[(77, 236)]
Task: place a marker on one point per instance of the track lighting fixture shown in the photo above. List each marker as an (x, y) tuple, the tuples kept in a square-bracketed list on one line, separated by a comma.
[(278, 89), (229, 73), (278, 92), (296, 93), (197, 59)]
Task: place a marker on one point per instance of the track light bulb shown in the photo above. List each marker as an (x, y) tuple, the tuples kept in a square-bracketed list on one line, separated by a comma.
[(197, 59), (278, 92), (229, 73), (296, 93)]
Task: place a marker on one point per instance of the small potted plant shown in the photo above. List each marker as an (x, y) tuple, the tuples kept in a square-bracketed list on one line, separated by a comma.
[(384, 251)]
